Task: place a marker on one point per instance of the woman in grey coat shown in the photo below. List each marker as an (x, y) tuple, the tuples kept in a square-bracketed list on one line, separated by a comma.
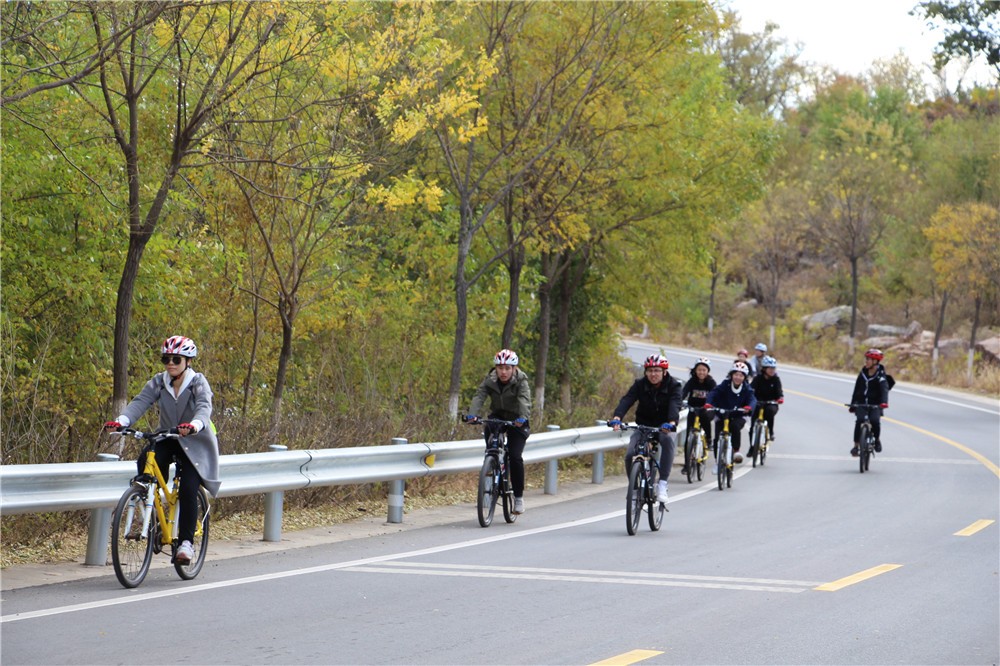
[(184, 399)]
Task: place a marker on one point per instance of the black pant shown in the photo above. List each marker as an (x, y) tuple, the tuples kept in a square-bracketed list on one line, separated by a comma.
[(516, 439), (769, 412), (668, 448), (736, 424), (874, 413), (167, 452)]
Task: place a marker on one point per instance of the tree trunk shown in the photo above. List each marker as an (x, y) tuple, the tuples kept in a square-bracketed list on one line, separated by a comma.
[(937, 334), (970, 370), (252, 361), (123, 319), (461, 307), (711, 297), (514, 270), (284, 359), (854, 295), (563, 342), (544, 321)]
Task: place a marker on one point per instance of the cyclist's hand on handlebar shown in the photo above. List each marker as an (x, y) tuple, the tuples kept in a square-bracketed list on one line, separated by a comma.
[(781, 401), (884, 405), (112, 425), (746, 408), (470, 418), (669, 427), (708, 406), (615, 423), (850, 409), (520, 421), (185, 429)]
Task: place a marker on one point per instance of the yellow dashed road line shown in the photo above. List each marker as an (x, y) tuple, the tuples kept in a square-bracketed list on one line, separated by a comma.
[(857, 578), (986, 462)]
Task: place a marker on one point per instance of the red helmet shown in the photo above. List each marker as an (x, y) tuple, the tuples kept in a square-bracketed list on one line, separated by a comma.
[(656, 361), (875, 354), (742, 351)]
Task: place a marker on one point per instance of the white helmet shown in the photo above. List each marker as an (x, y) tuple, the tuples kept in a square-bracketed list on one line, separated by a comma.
[(740, 366), (768, 362), (761, 347), (505, 357), (179, 345), (701, 360)]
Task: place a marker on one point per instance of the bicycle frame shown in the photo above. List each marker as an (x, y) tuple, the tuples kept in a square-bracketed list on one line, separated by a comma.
[(501, 486), (724, 454), (154, 499), (866, 443), (695, 449)]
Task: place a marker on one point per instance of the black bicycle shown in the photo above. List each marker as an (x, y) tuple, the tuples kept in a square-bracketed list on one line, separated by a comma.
[(760, 435), (642, 479), (494, 476), (866, 440)]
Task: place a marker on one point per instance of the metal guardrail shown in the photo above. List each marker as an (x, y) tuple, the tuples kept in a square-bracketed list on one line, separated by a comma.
[(99, 485)]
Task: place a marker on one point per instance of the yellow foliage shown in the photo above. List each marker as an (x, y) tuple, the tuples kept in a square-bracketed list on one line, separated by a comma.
[(964, 248)]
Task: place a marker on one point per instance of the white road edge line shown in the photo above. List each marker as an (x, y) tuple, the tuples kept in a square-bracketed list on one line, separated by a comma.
[(147, 596)]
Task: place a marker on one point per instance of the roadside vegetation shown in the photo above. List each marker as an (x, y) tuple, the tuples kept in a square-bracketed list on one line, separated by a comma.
[(351, 206)]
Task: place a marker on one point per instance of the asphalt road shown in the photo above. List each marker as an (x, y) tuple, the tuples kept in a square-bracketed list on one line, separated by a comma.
[(802, 561)]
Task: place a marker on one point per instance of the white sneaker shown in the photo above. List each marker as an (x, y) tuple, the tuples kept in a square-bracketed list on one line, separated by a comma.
[(661, 492), (518, 505), (184, 553)]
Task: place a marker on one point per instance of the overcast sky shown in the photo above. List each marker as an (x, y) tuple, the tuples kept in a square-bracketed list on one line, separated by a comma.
[(849, 35)]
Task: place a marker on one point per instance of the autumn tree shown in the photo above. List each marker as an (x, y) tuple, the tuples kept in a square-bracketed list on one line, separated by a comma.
[(157, 91)]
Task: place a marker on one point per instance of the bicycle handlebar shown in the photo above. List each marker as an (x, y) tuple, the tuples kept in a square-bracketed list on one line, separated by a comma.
[(152, 437), (490, 421), (625, 426)]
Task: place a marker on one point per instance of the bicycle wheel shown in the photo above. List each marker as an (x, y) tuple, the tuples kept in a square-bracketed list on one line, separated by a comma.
[(766, 441), (702, 454), (689, 456), (720, 461), (200, 543), (131, 553), (635, 498), (507, 490), (654, 509), (758, 428), (864, 452), (489, 490)]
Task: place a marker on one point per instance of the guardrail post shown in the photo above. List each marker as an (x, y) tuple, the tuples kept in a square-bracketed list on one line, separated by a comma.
[(274, 503), (552, 469), (597, 463), (99, 531), (396, 490)]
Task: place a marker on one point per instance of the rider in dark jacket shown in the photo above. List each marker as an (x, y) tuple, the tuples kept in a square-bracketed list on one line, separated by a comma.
[(659, 398), (871, 390), (767, 388), (695, 393), (734, 394)]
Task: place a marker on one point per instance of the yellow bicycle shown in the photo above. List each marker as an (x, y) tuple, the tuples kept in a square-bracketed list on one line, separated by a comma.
[(145, 519)]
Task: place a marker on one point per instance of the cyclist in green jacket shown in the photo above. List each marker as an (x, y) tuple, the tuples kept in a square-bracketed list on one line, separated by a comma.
[(509, 392)]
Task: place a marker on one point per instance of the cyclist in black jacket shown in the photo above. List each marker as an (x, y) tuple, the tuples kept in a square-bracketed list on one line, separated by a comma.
[(659, 398), (695, 392), (871, 390), (767, 388)]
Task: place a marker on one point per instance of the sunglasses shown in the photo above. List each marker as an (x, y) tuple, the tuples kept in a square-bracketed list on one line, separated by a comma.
[(176, 360)]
